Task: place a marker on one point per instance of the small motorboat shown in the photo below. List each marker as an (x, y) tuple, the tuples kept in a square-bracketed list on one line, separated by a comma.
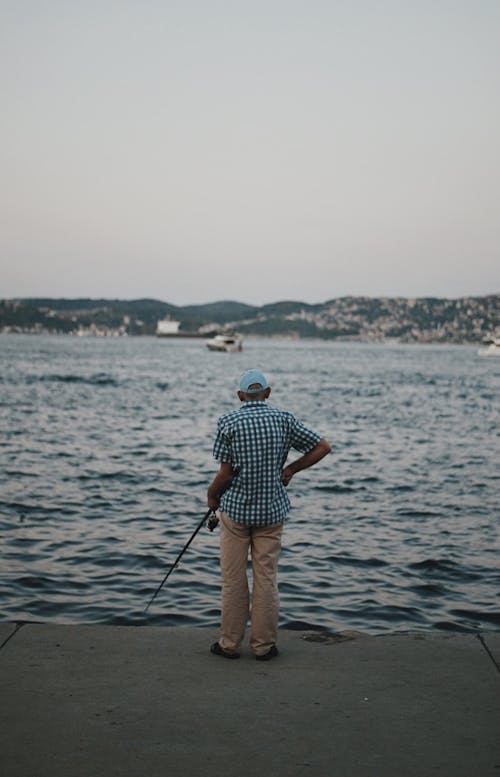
[(226, 342), (492, 347)]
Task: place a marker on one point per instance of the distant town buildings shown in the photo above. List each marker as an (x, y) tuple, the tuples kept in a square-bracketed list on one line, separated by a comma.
[(361, 319)]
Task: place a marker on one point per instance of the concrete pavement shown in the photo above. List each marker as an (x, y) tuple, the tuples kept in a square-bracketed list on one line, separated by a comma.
[(99, 701)]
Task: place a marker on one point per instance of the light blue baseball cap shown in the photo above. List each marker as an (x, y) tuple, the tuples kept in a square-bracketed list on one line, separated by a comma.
[(252, 378)]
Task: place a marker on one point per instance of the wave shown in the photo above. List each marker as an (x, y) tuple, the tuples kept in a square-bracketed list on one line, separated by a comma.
[(99, 379), (449, 570), (357, 562)]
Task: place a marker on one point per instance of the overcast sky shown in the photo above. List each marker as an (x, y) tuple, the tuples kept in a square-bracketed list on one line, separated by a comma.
[(195, 151)]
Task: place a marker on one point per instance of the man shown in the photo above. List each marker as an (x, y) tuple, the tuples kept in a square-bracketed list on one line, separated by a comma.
[(252, 445)]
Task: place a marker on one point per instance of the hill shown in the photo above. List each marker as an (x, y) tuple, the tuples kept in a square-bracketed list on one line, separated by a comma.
[(366, 319)]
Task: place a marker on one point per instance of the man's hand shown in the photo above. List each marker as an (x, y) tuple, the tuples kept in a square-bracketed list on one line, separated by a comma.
[(213, 502), (286, 475)]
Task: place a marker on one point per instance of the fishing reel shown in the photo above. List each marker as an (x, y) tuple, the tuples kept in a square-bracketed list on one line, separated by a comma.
[(213, 521)]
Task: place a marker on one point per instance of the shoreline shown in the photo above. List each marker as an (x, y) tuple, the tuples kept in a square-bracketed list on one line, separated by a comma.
[(290, 338)]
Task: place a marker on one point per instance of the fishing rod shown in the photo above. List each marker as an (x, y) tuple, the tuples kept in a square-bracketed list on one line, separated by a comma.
[(212, 523)]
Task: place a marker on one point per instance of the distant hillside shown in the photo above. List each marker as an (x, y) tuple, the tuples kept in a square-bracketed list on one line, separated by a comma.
[(365, 319)]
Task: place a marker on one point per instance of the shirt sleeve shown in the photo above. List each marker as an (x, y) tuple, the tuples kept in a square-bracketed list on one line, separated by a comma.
[(303, 439), (222, 447)]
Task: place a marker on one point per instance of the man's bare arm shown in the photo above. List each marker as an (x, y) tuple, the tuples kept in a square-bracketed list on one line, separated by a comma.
[(307, 460), (219, 484)]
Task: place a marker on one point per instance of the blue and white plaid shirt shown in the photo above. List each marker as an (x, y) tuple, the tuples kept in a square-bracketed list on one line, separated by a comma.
[(256, 439)]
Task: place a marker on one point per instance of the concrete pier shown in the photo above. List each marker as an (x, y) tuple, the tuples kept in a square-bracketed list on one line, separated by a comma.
[(98, 701)]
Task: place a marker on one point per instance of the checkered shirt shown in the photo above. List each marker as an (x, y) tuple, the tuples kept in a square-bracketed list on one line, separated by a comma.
[(256, 439)]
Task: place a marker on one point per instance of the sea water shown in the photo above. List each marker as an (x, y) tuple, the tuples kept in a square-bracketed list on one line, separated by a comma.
[(106, 453)]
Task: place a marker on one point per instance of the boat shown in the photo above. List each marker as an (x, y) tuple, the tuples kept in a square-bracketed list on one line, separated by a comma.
[(492, 347), (229, 343), (167, 327)]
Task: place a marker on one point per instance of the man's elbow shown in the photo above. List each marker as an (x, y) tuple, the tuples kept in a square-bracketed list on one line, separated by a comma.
[(324, 447)]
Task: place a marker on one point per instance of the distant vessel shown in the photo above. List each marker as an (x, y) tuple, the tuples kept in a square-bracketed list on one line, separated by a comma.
[(228, 343), (167, 327), (492, 347)]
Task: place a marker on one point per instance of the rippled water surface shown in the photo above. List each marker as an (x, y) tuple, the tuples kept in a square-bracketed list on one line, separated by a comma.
[(106, 455)]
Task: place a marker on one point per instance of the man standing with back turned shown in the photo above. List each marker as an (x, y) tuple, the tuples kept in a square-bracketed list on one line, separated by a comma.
[(252, 445)]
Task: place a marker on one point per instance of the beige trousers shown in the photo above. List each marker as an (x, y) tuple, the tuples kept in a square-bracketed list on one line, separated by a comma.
[(264, 543)]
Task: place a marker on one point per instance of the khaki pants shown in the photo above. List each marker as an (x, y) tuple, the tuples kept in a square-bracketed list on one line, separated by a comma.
[(264, 543)]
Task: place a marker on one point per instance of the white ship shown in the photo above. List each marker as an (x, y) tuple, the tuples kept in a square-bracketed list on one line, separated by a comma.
[(167, 327), (492, 347), (228, 343)]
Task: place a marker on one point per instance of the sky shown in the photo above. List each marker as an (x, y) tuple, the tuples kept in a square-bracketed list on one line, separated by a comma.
[(289, 149)]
